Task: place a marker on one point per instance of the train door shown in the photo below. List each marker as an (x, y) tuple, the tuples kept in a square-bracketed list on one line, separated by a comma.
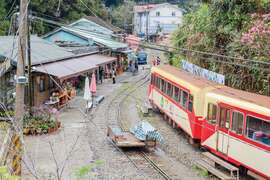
[(223, 130)]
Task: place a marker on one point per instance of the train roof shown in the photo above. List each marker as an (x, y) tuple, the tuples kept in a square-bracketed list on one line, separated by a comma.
[(249, 97), (253, 102), (171, 71)]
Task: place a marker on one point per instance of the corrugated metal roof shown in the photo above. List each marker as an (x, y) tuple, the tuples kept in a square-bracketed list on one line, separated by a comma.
[(101, 22), (112, 44), (143, 8), (42, 51), (88, 25), (75, 66)]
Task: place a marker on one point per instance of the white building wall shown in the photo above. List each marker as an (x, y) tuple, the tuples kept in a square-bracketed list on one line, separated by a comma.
[(167, 21)]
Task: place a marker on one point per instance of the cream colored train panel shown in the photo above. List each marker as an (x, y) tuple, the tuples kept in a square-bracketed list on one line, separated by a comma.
[(250, 155), (175, 113)]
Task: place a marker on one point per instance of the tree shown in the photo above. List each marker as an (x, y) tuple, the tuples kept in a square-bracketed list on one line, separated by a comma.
[(122, 15), (4, 23), (64, 11), (232, 28)]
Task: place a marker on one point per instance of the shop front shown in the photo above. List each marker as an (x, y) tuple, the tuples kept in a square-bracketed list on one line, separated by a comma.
[(55, 84)]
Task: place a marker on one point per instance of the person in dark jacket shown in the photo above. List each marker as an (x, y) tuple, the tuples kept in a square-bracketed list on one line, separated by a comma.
[(101, 74), (113, 76)]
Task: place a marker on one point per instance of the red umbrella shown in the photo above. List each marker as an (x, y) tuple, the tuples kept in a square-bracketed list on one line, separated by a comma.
[(107, 70), (93, 85)]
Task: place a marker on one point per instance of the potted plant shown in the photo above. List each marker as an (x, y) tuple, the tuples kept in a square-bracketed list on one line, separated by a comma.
[(26, 130), (58, 124)]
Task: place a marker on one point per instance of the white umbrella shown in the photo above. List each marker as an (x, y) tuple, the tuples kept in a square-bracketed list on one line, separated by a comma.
[(87, 94)]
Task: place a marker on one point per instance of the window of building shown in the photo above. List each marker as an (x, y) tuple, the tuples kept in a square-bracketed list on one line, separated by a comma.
[(51, 83), (258, 130), (176, 94), (42, 84), (157, 13), (173, 13), (212, 113), (190, 103), (237, 122)]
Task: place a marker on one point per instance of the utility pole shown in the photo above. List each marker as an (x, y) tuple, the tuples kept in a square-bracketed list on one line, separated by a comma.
[(147, 23), (19, 102), (29, 64)]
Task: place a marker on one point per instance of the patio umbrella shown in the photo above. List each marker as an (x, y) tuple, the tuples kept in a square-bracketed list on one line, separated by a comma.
[(87, 93), (93, 87)]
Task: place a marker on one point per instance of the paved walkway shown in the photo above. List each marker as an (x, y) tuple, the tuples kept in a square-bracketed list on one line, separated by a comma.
[(64, 152)]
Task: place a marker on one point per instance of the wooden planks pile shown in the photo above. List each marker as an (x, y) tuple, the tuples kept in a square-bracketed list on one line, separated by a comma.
[(218, 167)]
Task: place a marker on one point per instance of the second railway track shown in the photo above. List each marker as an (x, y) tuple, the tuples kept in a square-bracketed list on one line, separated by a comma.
[(141, 160)]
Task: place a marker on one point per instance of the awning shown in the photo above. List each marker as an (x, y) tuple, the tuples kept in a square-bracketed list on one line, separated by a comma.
[(73, 67)]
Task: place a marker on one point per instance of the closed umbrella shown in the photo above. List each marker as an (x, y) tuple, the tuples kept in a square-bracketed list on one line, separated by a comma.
[(107, 71), (87, 93), (93, 86)]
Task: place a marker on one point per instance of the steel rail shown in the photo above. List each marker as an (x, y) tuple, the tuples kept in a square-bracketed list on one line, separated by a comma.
[(143, 154)]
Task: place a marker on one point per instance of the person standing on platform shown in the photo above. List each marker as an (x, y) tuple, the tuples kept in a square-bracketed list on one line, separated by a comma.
[(101, 74), (154, 62), (113, 75), (158, 61)]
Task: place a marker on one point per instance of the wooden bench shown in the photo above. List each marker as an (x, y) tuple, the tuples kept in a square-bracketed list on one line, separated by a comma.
[(207, 167), (234, 171)]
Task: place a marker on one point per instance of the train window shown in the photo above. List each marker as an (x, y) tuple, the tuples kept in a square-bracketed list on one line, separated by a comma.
[(237, 122), (169, 89), (258, 130), (190, 103), (158, 82), (163, 86), (212, 113), (224, 118), (153, 79), (184, 98), (176, 94)]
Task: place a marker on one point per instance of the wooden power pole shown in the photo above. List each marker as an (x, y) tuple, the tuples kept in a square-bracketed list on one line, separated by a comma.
[(19, 102)]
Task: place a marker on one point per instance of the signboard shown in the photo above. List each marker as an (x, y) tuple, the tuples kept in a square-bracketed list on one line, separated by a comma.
[(210, 75)]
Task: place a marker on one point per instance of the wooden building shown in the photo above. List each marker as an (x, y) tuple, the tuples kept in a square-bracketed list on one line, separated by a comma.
[(52, 68)]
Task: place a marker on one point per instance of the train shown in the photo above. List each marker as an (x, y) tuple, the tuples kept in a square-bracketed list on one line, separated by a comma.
[(232, 124)]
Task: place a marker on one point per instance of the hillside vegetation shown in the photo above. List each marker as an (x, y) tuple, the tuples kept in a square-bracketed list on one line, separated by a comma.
[(233, 28)]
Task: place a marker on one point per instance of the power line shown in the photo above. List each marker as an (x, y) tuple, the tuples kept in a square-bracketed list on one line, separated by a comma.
[(88, 8), (208, 53), (208, 59), (9, 11)]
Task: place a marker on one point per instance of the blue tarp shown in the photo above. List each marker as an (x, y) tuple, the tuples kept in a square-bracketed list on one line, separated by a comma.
[(144, 130)]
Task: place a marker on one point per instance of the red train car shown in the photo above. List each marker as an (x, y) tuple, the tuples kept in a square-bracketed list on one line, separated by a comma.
[(233, 124)]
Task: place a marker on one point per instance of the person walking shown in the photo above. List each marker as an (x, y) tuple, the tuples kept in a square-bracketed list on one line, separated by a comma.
[(101, 74), (154, 62), (158, 61), (136, 66), (113, 76)]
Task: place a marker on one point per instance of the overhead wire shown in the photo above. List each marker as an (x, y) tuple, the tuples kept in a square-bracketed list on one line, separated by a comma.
[(206, 53), (210, 59)]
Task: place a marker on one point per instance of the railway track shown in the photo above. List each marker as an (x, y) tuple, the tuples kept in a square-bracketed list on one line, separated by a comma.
[(140, 159)]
